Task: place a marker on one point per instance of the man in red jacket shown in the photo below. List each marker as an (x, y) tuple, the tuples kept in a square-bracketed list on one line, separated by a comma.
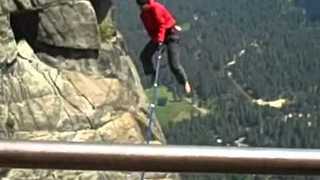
[(162, 29)]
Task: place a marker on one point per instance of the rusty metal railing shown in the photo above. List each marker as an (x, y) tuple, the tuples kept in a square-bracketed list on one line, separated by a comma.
[(81, 156)]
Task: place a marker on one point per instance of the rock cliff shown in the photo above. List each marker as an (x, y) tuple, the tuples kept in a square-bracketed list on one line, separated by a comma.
[(65, 76)]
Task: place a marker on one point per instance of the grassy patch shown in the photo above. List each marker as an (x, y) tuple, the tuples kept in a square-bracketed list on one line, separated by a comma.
[(170, 110), (107, 30)]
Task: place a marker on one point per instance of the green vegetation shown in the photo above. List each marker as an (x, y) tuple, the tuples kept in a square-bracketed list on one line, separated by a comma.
[(276, 54), (107, 30), (169, 110), (185, 26)]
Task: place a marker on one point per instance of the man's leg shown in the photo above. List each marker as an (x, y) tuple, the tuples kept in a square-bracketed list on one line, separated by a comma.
[(146, 58), (174, 62)]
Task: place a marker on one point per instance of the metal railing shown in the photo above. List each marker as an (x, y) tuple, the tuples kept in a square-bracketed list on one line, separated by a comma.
[(156, 158)]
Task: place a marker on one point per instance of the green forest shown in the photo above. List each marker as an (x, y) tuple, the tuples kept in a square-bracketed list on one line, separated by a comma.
[(236, 52)]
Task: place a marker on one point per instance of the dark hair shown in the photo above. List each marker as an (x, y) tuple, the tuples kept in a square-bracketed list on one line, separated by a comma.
[(142, 2)]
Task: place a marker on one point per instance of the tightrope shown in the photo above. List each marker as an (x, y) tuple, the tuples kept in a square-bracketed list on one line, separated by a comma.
[(153, 105)]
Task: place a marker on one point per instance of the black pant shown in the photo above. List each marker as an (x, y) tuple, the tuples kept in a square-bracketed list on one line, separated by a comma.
[(173, 50)]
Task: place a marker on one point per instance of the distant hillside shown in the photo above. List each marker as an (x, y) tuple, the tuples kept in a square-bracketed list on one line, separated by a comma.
[(312, 8), (240, 54)]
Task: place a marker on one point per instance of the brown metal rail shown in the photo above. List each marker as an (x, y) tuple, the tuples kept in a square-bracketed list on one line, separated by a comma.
[(80, 156)]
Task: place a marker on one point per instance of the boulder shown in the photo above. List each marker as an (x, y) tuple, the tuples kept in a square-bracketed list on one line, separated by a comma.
[(8, 50), (72, 25)]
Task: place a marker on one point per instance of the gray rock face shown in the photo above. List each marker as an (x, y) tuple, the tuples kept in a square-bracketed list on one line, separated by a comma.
[(72, 25), (7, 6), (63, 23), (76, 86), (8, 50)]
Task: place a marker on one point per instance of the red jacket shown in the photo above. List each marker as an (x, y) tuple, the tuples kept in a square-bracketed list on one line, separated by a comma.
[(157, 19)]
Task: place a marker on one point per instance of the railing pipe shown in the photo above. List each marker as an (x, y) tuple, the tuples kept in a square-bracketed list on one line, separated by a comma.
[(156, 158)]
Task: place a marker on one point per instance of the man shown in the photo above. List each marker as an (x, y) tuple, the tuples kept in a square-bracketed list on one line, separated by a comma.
[(162, 29)]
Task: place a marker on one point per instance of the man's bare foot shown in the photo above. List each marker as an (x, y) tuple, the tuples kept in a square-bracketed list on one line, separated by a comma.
[(187, 88)]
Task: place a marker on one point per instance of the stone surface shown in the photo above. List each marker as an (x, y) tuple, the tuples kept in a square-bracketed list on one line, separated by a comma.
[(122, 130), (72, 26), (7, 6), (39, 102), (8, 50)]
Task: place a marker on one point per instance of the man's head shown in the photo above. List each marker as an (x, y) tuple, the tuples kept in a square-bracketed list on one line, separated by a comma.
[(142, 3)]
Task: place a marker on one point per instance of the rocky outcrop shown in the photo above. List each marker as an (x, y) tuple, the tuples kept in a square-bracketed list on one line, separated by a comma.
[(64, 76), (75, 19), (8, 50)]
